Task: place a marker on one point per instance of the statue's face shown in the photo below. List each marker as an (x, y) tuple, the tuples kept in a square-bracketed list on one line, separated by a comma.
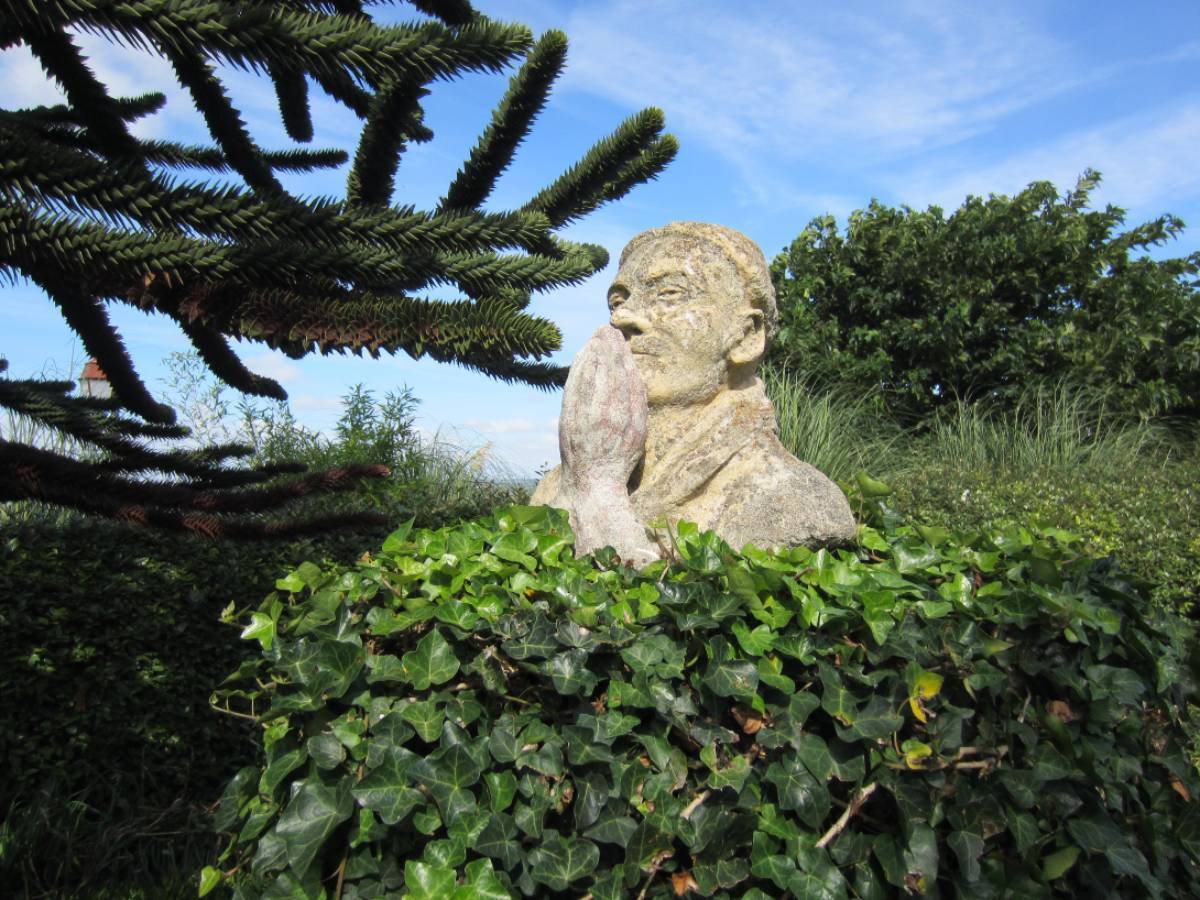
[(680, 304)]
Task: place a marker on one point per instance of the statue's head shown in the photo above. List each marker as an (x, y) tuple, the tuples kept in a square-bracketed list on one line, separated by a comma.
[(697, 307)]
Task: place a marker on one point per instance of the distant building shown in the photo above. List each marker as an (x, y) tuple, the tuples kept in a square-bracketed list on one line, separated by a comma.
[(93, 382)]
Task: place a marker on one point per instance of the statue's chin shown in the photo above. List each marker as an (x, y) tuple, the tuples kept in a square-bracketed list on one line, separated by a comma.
[(663, 390)]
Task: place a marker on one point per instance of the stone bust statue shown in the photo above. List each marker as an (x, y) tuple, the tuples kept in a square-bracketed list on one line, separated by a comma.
[(664, 416)]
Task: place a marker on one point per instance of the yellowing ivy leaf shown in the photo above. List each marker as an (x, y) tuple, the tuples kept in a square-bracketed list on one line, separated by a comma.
[(915, 753)]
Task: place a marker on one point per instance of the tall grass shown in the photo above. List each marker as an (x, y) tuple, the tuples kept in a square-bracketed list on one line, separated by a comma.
[(835, 431), (444, 480), (1051, 428)]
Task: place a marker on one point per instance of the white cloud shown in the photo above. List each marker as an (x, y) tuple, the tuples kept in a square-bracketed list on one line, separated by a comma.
[(1147, 161), (25, 84), (500, 426), (274, 365), (315, 403), (900, 78), (126, 72)]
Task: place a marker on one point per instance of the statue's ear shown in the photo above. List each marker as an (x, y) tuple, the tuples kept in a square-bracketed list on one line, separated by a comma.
[(750, 347)]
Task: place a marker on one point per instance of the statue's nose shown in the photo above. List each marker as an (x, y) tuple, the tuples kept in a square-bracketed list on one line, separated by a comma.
[(628, 318)]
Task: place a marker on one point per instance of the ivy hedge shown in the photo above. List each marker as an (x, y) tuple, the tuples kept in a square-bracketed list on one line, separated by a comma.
[(473, 713), (1148, 517)]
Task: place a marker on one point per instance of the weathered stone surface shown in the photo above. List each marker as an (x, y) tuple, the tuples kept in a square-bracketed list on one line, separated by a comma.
[(671, 422), (601, 437)]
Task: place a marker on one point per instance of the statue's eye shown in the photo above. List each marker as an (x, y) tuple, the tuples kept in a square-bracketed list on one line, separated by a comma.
[(670, 292), (617, 296)]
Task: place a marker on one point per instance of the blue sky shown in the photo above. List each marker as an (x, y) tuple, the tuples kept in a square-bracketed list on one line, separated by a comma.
[(784, 111)]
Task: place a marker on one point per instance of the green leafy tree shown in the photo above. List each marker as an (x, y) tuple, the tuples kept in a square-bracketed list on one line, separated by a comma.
[(90, 213), (926, 309)]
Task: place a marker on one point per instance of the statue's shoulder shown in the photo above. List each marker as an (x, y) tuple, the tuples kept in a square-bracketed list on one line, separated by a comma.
[(779, 500)]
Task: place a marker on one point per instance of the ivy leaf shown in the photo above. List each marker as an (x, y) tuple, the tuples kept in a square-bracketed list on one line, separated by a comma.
[(754, 642), (498, 840), (1127, 860), (798, 790), (538, 642), (427, 820), (397, 541), (482, 883), (387, 791), (591, 795), (1123, 684), (432, 662), (309, 818), (921, 855), (280, 767), (814, 753), (731, 678), (425, 716), (823, 883), (770, 672), (720, 875), (874, 722), (501, 788), (515, 547), (210, 877), (557, 862), (262, 629), (448, 852), (456, 613), (504, 742), (1056, 865), (448, 774), (612, 827), (426, 882), (326, 750), (733, 776), (1023, 828), (835, 698), (569, 673), (644, 845), (967, 847), (323, 667), (774, 867), (294, 887)]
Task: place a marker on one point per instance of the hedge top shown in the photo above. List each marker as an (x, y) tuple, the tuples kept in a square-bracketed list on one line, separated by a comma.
[(474, 713)]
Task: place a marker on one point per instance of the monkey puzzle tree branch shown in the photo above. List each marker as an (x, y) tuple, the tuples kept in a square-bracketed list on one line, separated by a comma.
[(90, 212)]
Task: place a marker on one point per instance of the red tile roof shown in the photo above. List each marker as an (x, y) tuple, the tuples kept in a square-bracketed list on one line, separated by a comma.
[(92, 370)]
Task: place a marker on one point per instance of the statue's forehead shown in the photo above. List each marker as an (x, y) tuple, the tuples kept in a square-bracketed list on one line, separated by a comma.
[(661, 258)]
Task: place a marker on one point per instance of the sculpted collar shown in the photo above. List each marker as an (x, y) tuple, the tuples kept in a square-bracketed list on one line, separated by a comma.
[(731, 421)]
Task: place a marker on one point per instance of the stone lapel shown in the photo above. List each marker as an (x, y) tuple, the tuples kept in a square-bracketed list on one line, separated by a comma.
[(723, 429)]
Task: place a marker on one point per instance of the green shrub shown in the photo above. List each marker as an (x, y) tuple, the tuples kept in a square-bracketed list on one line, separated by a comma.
[(110, 747), (1054, 457), (474, 713), (1148, 517)]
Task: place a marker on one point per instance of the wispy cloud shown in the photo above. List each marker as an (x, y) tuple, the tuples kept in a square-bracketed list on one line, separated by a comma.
[(1147, 161), (315, 403), (25, 84), (126, 72), (900, 78), (501, 426), (274, 365)]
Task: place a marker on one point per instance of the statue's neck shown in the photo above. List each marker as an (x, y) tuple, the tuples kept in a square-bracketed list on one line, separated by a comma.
[(667, 425)]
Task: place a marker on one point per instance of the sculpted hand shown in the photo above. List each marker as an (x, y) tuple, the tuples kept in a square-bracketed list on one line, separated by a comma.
[(602, 430), (602, 436)]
